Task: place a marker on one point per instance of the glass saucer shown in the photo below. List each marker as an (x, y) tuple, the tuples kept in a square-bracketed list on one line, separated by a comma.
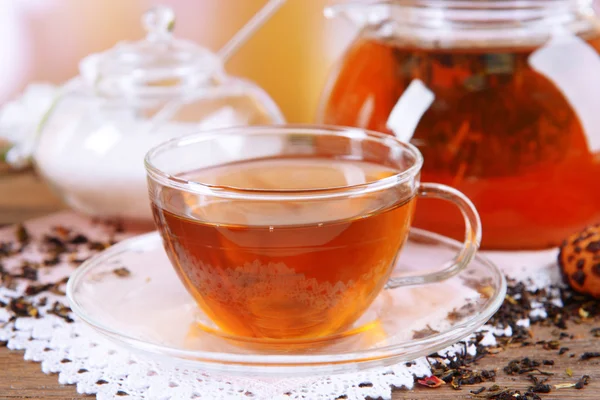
[(131, 294)]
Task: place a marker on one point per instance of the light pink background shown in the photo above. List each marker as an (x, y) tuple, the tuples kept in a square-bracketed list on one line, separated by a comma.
[(43, 40)]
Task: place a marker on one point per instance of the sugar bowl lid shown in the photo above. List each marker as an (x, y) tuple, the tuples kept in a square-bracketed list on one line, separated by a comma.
[(159, 65)]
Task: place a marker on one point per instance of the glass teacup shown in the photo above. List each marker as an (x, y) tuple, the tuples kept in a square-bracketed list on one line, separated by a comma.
[(291, 232)]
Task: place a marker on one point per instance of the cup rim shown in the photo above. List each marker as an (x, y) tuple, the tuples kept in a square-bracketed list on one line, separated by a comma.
[(192, 186)]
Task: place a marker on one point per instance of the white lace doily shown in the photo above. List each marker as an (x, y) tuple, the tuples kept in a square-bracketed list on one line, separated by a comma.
[(81, 356)]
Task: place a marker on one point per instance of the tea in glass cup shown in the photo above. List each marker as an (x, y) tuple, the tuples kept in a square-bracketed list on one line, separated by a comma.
[(290, 232)]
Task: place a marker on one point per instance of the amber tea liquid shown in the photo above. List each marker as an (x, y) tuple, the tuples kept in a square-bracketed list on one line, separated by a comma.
[(285, 269), (498, 131)]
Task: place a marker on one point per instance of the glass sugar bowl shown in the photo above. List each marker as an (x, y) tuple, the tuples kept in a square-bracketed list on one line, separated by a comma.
[(91, 144), (501, 97)]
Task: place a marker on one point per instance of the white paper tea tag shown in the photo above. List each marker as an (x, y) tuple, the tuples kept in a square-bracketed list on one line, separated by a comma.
[(574, 67), (409, 109)]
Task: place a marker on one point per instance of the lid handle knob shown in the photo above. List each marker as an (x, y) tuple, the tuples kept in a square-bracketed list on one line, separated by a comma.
[(159, 23)]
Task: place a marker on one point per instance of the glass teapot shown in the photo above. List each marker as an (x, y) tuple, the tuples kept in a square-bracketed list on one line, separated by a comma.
[(91, 143), (502, 97)]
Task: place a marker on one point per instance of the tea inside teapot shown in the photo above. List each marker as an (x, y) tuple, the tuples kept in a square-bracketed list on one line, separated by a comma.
[(502, 115)]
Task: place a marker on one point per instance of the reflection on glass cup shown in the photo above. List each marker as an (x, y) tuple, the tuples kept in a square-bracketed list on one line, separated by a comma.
[(290, 232)]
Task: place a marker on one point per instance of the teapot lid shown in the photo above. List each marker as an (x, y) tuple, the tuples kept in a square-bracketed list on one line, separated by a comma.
[(158, 65)]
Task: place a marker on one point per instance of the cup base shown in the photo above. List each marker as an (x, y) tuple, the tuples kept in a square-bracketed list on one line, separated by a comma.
[(204, 326), (149, 311)]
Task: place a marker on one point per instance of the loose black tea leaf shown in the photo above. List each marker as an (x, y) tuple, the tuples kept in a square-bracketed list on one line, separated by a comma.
[(584, 381), (51, 261), (5, 249), (562, 350), (539, 386), (425, 332), (122, 272), (79, 239), (32, 290), (588, 355), (461, 313), (55, 245), (23, 307), (481, 389), (497, 393), (22, 234), (60, 310), (522, 366), (61, 231), (99, 246), (77, 261), (29, 272)]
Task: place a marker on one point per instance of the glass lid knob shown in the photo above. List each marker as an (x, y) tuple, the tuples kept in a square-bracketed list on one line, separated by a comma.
[(159, 23)]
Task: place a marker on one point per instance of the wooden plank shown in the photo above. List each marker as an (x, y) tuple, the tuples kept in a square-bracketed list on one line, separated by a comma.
[(24, 380), (583, 341), (24, 196)]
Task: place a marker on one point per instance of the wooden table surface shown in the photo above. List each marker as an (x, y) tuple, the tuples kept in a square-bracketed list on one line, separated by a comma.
[(22, 196)]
